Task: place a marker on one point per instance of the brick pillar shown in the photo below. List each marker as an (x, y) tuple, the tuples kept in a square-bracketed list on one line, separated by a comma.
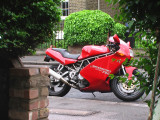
[(28, 94)]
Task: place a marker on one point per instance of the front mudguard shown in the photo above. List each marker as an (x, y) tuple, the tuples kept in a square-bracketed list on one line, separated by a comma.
[(129, 70)]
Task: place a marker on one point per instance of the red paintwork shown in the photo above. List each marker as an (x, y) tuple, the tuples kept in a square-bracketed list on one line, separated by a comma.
[(97, 71), (129, 70), (58, 57), (129, 44), (92, 50), (116, 38)]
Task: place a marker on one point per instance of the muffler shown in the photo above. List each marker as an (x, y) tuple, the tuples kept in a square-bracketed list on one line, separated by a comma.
[(59, 77)]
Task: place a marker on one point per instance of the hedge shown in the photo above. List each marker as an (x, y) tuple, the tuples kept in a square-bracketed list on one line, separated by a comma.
[(87, 27)]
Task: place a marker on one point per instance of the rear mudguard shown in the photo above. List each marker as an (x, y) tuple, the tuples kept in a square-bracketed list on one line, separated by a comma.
[(48, 58), (129, 70)]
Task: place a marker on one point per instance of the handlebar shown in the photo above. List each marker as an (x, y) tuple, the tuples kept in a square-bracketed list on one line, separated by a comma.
[(111, 45), (114, 47)]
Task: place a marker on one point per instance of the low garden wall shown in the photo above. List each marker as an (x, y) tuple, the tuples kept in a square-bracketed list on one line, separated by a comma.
[(78, 49)]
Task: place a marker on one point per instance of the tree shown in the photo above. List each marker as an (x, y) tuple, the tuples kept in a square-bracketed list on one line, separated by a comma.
[(23, 25), (143, 15)]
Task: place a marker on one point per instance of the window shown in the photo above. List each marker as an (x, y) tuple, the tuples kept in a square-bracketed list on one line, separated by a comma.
[(65, 7)]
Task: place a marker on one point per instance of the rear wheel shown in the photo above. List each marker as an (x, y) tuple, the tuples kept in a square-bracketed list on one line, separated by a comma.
[(56, 87), (125, 92)]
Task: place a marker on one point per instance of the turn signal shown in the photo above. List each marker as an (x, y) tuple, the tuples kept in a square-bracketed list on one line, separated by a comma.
[(120, 53)]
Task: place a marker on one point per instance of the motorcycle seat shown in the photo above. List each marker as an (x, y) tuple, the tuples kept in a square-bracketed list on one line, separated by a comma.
[(66, 54)]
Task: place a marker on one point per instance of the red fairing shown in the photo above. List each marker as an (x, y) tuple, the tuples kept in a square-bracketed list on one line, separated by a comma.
[(124, 48), (58, 57), (91, 50), (129, 44), (97, 72), (116, 38), (130, 70)]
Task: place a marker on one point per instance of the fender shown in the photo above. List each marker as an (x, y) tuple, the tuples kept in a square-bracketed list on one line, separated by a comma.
[(129, 70)]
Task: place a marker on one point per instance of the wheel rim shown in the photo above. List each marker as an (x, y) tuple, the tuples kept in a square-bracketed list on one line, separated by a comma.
[(126, 89), (55, 85)]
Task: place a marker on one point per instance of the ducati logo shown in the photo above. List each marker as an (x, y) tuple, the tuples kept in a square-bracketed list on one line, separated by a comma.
[(103, 70)]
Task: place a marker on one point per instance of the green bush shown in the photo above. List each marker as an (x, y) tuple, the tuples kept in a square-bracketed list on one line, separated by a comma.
[(87, 27), (120, 30), (24, 24)]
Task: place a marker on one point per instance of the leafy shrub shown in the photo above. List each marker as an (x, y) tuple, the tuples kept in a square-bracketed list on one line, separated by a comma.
[(149, 66), (61, 44), (25, 24), (87, 27), (120, 30)]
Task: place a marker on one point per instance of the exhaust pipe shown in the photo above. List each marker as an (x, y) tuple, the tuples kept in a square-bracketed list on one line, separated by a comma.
[(59, 77)]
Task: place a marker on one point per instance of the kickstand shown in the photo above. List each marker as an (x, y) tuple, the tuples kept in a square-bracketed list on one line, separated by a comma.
[(93, 94)]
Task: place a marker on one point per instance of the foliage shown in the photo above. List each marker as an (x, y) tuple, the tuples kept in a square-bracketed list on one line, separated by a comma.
[(120, 30), (87, 27), (143, 15), (61, 44), (148, 65), (25, 24)]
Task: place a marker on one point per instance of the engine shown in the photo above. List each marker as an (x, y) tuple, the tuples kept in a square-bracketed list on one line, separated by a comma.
[(72, 71), (75, 77)]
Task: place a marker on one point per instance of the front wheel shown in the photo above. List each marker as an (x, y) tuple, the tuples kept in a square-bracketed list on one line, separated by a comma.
[(127, 92), (56, 87)]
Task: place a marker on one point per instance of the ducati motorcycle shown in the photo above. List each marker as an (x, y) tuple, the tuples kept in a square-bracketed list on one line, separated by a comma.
[(90, 71)]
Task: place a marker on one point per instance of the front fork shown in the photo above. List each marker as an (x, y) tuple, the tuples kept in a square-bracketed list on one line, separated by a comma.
[(129, 70)]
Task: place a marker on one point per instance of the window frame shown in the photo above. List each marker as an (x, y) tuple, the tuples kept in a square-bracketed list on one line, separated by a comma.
[(65, 9)]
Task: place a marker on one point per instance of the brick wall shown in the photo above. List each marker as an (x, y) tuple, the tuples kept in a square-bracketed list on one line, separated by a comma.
[(76, 5), (92, 4), (28, 94), (108, 9)]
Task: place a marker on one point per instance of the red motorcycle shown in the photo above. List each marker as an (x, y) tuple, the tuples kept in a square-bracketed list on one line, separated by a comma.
[(90, 71)]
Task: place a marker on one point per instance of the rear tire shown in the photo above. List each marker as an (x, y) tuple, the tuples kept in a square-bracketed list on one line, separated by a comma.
[(125, 92), (56, 87), (60, 93)]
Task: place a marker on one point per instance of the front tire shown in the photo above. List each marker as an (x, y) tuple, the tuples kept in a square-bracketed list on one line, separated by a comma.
[(56, 87), (125, 92)]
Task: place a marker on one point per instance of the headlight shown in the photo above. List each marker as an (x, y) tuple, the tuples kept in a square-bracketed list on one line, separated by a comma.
[(131, 53)]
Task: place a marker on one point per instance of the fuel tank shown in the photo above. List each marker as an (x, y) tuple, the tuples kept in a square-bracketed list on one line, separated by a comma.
[(92, 50)]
